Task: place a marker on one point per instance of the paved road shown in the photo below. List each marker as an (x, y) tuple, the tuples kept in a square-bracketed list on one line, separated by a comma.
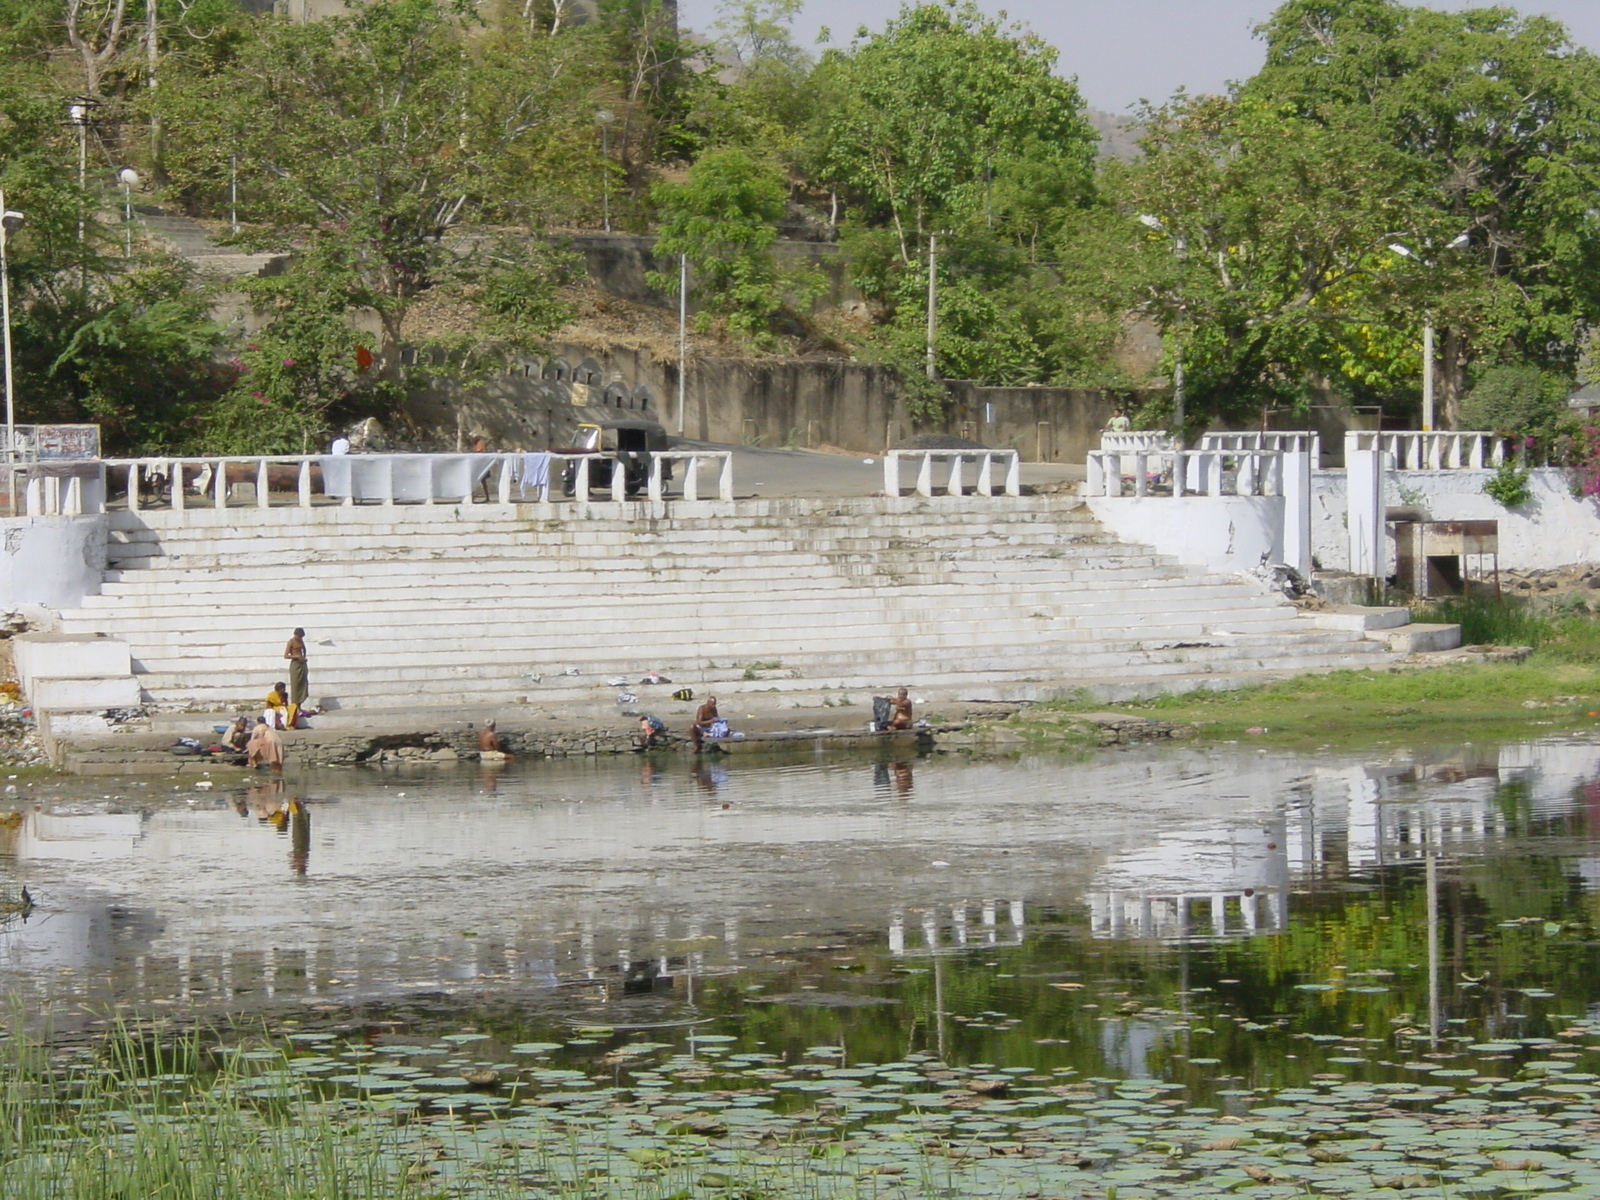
[(758, 471)]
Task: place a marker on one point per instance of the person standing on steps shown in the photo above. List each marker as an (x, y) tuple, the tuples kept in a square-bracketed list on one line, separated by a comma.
[(299, 676)]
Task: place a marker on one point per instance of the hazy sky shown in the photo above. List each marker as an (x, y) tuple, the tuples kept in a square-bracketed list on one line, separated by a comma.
[(1122, 50)]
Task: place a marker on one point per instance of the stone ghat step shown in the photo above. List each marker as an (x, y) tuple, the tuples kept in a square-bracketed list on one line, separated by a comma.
[(247, 562), (291, 544), (629, 514), (729, 633), (799, 670), (999, 589), (359, 656), (1123, 680), (356, 607), (289, 536), (639, 570), (542, 589), (969, 630)]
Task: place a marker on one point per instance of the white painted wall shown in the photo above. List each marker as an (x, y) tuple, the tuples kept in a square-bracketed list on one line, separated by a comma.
[(1553, 529), (51, 561), (1224, 533)]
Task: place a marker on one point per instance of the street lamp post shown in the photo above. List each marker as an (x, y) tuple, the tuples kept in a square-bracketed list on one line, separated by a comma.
[(1180, 251), (1405, 251), (9, 220), (605, 116), (129, 178)]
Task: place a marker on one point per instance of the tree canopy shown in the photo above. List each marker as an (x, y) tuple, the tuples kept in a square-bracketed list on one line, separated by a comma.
[(418, 164)]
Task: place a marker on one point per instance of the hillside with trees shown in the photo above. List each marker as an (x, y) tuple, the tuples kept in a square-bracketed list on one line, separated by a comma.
[(1388, 165)]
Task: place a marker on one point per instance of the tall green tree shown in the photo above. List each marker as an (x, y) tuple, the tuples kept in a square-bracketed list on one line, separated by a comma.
[(1259, 244), (927, 112), (368, 141), (724, 218), (1497, 119)]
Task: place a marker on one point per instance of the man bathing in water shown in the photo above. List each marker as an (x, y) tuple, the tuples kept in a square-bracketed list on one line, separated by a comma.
[(900, 711), (705, 716)]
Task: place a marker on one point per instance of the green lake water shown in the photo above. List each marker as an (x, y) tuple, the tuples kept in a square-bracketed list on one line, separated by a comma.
[(1167, 971)]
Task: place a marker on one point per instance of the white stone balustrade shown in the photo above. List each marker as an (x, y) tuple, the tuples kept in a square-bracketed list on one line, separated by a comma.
[(1186, 473), (955, 480), (1415, 450), (693, 461), (1288, 442), (387, 478), (61, 488), (1136, 441)]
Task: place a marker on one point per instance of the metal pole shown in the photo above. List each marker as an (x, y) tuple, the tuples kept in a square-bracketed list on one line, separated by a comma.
[(605, 172), (1435, 1024), (127, 219), (1427, 373), (11, 397), (233, 192), (83, 164), (1177, 397), (683, 333), (933, 301)]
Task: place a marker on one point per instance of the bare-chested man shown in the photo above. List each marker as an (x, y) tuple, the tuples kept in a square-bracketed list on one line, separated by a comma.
[(900, 710), (489, 740), (704, 717)]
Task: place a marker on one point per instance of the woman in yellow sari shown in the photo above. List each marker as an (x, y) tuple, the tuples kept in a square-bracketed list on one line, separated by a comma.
[(279, 713)]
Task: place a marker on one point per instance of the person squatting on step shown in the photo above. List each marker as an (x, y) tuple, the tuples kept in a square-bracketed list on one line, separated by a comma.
[(652, 732), (299, 677), (900, 716), (266, 747)]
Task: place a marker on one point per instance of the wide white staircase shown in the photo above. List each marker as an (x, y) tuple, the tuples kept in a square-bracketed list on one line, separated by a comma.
[(807, 601)]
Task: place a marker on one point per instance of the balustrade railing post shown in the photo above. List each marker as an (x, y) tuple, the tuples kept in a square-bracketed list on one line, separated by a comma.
[(891, 472), (133, 487), (1475, 453), (956, 484), (619, 480), (925, 475), (1094, 474), (219, 485), (177, 486), (725, 478), (986, 475), (580, 484), (1141, 483), (1013, 473), (691, 478), (502, 491), (263, 484), (303, 486), (1244, 480)]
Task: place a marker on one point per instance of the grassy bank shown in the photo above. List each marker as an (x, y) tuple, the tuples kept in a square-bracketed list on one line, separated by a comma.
[(1556, 688)]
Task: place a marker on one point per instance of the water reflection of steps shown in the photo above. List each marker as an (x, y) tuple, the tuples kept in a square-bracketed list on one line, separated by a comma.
[(1014, 599)]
